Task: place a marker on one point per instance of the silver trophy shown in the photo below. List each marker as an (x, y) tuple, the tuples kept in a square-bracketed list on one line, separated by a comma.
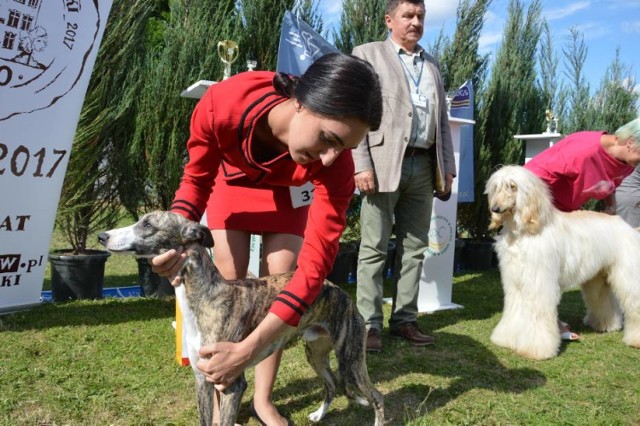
[(228, 51), (252, 63)]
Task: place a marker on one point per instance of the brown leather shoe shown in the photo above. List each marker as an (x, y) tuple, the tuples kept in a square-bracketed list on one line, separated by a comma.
[(411, 333), (374, 340)]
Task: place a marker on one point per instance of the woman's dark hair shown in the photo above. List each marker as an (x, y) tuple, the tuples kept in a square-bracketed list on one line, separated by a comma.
[(336, 86)]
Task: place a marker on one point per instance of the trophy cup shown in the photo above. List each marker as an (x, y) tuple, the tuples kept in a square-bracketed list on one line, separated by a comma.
[(548, 114), (228, 52), (448, 97), (252, 63)]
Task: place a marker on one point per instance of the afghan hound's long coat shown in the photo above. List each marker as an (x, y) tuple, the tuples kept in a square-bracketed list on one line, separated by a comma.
[(543, 251)]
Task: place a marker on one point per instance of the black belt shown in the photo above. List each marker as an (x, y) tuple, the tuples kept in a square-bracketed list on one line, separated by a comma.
[(414, 152)]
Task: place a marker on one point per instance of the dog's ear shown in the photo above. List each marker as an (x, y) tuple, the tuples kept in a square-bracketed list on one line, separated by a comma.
[(496, 221), (207, 238), (194, 231), (530, 216)]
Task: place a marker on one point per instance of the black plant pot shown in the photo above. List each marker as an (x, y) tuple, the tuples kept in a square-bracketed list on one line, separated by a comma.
[(152, 284), (477, 255), (77, 276), (457, 255), (344, 267)]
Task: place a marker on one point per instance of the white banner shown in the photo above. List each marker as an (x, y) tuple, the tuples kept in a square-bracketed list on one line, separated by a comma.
[(47, 52), (436, 284)]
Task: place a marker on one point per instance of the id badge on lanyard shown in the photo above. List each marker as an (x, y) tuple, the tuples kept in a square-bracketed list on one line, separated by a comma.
[(419, 100)]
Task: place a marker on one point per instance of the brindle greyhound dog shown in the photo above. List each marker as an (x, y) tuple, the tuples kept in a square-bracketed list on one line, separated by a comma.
[(228, 311)]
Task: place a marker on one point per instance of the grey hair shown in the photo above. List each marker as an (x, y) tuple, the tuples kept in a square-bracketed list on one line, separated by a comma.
[(630, 131)]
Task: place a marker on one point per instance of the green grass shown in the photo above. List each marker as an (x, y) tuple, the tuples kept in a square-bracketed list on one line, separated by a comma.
[(112, 362)]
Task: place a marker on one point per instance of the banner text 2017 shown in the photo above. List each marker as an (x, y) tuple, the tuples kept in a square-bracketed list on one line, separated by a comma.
[(20, 161)]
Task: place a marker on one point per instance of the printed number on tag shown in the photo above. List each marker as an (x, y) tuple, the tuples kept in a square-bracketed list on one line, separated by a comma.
[(301, 195)]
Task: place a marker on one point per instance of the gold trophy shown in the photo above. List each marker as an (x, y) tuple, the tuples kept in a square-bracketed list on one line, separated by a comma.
[(228, 51), (548, 115)]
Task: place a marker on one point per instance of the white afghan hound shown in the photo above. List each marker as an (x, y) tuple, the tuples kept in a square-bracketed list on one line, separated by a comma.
[(543, 251)]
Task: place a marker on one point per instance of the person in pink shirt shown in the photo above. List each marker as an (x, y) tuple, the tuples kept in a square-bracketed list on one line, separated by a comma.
[(586, 165)]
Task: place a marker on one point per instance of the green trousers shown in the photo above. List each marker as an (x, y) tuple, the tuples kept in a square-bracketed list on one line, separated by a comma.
[(410, 208)]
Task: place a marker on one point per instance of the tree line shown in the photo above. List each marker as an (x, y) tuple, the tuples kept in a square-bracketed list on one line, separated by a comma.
[(129, 149)]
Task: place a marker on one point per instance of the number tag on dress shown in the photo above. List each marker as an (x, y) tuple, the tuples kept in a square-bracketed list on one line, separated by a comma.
[(419, 100), (301, 195)]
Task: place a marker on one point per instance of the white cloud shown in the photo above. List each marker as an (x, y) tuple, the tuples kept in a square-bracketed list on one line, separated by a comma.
[(623, 4), (563, 12), (439, 11), (592, 31), (492, 19), (330, 11), (330, 8), (488, 41), (631, 27), (492, 32)]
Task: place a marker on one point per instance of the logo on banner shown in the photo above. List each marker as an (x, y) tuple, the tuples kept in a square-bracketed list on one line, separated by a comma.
[(299, 45), (13, 263), (43, 51), (303, 40), (441, 236), (461, 98), (14, 223)]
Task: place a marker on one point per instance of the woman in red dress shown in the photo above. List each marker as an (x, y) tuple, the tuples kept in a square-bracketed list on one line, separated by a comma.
[(255, 136)]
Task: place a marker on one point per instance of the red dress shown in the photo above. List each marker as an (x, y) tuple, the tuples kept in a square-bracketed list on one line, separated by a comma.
[(221, 137), (255, 209)]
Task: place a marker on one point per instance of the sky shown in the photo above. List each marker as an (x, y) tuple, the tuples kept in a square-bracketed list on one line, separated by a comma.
[(605, 25)]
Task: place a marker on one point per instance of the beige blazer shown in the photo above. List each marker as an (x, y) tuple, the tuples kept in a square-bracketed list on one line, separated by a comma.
[(383, 150)]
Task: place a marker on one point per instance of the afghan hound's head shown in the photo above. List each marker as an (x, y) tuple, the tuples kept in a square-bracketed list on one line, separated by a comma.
[(518, 199)]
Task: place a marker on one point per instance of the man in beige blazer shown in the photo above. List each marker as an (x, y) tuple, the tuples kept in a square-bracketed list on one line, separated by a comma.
[(398, 168)]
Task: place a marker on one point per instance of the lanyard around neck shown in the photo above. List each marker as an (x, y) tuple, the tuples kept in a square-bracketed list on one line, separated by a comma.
[(415, 81)]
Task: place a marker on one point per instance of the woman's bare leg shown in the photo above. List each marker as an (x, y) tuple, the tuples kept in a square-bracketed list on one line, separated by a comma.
[(280, 252), (231, 252), (231, 257), (566, 333)]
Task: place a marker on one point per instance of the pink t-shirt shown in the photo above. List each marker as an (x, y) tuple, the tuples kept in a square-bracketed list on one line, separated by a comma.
[(577, 168)]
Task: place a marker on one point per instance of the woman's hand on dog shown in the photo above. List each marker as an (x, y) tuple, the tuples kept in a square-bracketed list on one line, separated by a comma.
[(169, 264), (221, 363)]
